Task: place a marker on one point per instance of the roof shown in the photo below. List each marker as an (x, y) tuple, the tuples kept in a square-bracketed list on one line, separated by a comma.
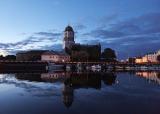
[(138, 57), (68, 28), (55, 53), (32, 51)]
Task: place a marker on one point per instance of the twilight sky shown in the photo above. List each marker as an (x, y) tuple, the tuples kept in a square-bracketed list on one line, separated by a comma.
[(130, 27)]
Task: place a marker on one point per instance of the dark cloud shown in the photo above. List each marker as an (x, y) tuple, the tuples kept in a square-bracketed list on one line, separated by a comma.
[(145, 24)]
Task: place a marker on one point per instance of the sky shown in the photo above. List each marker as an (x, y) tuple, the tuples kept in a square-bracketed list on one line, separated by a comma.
[(130, 27)]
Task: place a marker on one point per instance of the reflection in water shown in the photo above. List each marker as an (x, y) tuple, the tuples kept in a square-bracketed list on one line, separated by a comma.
[(29, 76), (93, 92), (68, 94), (151, 76), (109, 78), (82, 79), (74, 80), (71, 81)]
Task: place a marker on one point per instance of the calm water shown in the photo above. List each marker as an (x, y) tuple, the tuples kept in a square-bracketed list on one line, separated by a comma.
[(80, 93)]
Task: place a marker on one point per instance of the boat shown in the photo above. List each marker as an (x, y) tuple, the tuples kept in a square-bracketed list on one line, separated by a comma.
[(96, 67), (55, 67)]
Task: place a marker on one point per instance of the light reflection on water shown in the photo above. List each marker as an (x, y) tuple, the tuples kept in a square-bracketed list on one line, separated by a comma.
[(82, 92)]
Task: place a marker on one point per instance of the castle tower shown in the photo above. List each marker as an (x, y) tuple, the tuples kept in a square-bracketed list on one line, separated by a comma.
[(68, 40)]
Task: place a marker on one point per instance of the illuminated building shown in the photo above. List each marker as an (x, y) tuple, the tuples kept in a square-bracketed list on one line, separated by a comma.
[(151, 57)]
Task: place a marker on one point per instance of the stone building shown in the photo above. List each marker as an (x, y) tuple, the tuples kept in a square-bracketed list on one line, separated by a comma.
[(68, 40), (77, 51), (33, 55)]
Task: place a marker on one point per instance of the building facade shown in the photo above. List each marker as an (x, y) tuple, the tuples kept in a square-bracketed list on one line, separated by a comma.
[(150, 58), (52, 56), (34, 55), (138, 60)]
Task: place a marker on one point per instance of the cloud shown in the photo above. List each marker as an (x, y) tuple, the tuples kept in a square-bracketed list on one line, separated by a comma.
[(134, 36), (145, 24), (79, 26), (109, 18), (48, 34), (106, 33), (39, 40), (35, 89)]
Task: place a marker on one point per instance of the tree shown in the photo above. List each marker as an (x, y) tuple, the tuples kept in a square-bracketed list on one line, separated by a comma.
[(108, 55), (10, 57), (1, 57)]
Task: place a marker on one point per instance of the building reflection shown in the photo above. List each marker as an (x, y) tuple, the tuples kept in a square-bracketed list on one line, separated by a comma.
[(150, 76), (71, 81), (33, 77)]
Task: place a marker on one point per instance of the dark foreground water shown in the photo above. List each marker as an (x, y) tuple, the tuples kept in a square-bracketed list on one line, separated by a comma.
[(80, 93)]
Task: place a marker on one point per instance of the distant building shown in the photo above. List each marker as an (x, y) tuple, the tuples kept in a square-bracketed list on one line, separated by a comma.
[(77, 51), (151, 57), (138, 60), (53, 56), (131, 60), (141, 59)]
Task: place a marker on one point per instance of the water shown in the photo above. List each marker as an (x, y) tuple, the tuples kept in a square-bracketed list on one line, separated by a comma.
[(80, 93)]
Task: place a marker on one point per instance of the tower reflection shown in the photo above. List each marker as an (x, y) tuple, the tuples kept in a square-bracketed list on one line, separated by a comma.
[(68, 93)]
